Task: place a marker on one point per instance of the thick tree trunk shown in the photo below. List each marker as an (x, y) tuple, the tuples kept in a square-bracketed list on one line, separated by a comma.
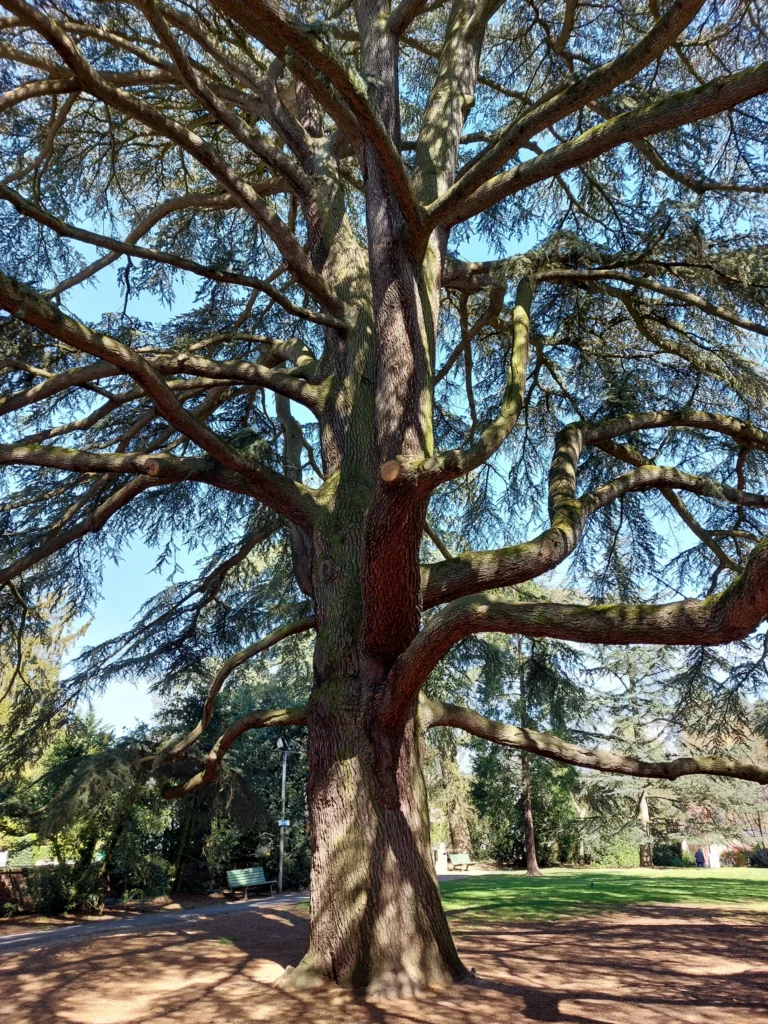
[(531, 863), (376, 920), (376, 923), (458, 823), (646, 848)]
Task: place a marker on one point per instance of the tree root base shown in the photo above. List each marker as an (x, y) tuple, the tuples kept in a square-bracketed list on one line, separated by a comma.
[(392, 985), (301, 978), (400, 985)]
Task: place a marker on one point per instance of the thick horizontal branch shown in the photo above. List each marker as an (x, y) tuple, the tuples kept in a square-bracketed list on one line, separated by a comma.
[(262, 374), (575, 96), (160, 467), (34, 90), (745, 433), (652, 477), (290, 383), (505, 567), (226, 670), (253, 720), (435, 713), (285, 496), (474, 571), (731, 615), (663, 115), (76, 377)]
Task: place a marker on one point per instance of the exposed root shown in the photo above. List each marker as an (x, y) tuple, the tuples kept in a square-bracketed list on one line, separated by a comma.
[(296, 979), (473, 978)]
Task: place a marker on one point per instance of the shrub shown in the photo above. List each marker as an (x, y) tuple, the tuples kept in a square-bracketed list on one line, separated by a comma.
[(58, 890), (759, 857), (145, 879), (736, 858), (618, 852), (668, 855), (48, 890)]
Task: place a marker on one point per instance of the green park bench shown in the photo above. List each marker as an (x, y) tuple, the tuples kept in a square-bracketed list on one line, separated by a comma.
[(246, 878), (459, 860)]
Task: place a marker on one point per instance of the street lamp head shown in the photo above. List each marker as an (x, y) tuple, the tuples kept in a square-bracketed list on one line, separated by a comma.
[(280, 743)]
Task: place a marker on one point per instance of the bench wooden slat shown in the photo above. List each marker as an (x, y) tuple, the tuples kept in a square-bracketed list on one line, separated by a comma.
[(250, 875), (244, 878), (459, 860)]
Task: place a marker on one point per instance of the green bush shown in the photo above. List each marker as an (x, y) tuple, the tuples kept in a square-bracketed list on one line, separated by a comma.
[(618, 852), (668, 855), (759, 857), (146, 878), (671, 855), (58, 890), (48, 891)]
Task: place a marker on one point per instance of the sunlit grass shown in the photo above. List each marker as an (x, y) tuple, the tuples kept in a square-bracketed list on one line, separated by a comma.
[(566, 892)]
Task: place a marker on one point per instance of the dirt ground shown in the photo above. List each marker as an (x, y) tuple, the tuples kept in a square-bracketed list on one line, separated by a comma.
[(655, 965)]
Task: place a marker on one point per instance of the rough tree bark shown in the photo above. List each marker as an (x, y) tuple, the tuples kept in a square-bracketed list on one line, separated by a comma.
[(531, 862), (644, 817), (376, 917)]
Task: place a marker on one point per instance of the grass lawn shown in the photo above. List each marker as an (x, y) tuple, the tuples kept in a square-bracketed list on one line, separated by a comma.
[(566, 892)]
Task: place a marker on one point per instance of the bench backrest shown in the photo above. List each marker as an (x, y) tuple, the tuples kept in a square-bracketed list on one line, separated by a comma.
[(459, 858), (246, 876)]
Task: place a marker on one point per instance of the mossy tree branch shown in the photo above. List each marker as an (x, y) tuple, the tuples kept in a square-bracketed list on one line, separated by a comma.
[(436, 714)]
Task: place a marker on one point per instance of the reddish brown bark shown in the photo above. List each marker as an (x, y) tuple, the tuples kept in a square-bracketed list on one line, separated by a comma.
[(377, 923), (531, 861)]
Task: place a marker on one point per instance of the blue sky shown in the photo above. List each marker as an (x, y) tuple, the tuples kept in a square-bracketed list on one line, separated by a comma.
[(129, 583)]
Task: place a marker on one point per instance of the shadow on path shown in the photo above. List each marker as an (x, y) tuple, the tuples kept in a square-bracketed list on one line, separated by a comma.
[(649, 965)]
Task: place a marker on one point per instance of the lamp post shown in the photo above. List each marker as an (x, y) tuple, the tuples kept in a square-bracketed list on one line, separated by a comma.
[(282, 746)]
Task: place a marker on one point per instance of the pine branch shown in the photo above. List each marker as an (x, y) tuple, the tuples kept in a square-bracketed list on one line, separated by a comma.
[(226, 670), (730, 615), (253, 720), (435, 714)]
